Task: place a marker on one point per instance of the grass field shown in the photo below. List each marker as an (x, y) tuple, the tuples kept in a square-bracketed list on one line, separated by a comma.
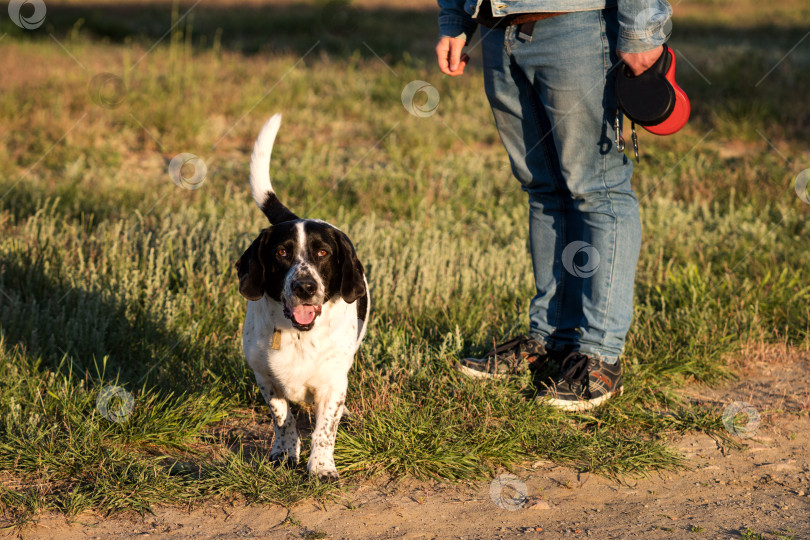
[(111, 274)]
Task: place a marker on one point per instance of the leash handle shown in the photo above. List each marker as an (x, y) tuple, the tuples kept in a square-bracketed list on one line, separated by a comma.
[(653, 99)]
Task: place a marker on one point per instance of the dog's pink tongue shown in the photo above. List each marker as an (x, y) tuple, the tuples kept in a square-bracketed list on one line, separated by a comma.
[(304, 314)]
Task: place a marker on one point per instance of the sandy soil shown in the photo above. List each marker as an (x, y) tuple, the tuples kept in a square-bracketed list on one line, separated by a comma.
[(765, 488)]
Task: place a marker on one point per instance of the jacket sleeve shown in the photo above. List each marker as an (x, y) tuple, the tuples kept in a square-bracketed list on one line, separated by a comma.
[(643, 24), (454, 21)]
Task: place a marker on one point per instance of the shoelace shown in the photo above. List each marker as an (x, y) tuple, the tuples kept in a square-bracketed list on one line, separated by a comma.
[(575, 370), (515, 345)]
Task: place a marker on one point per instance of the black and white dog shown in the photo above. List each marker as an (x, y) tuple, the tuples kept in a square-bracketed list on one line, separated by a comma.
[(307, 312)]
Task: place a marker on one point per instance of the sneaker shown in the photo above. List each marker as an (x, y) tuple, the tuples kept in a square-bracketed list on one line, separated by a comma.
[(585, 383), (508, 358)]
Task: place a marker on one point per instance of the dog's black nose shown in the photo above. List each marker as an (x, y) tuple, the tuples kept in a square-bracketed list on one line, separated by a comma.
[(305, 287)]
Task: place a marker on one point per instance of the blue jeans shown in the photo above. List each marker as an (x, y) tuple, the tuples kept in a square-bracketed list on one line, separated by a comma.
[(552, 98)]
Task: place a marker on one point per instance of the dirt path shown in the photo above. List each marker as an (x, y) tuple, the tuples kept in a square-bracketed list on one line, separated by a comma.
[(765, 489)]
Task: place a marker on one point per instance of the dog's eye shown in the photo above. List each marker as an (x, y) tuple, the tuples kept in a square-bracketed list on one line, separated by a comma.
[(322, 253), (281, 252)]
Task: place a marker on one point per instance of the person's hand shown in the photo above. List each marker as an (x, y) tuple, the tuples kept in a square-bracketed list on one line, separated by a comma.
[(448, 52), (641, 62)]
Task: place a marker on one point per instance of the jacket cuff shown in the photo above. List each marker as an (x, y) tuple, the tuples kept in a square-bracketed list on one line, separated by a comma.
[(639, 45), (457, 27), (643, 24)]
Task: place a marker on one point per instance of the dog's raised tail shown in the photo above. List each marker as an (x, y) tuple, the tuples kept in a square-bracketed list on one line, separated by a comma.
[(260, 185)]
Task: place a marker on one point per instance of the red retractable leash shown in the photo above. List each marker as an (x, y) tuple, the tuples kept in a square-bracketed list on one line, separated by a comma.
[(652, 100)]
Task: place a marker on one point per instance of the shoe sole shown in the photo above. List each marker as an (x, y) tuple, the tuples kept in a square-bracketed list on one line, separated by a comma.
[(475, 374), (582, 405)]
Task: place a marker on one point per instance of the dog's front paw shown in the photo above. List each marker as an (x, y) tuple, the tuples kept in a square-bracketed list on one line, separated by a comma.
[(328, 476), (283, 458), (286, 447), (323, 469)]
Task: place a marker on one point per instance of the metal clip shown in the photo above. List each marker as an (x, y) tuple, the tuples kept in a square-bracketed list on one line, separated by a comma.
[(617, 126), (635, 140)]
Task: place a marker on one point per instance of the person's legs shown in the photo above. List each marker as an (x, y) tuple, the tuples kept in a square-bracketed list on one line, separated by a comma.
[(521, 122), (553, 104)]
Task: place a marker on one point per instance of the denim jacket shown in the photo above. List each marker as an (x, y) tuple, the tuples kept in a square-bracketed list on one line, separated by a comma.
[(641, 22)]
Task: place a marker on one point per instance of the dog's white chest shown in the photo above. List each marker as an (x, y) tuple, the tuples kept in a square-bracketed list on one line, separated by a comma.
[(301, 361)]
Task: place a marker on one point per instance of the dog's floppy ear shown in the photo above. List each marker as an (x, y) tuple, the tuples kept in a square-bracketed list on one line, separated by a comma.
[(250, 269), (352, 284)]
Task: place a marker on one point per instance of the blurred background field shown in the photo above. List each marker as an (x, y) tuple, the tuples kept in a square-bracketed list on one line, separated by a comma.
[(112, 274)]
